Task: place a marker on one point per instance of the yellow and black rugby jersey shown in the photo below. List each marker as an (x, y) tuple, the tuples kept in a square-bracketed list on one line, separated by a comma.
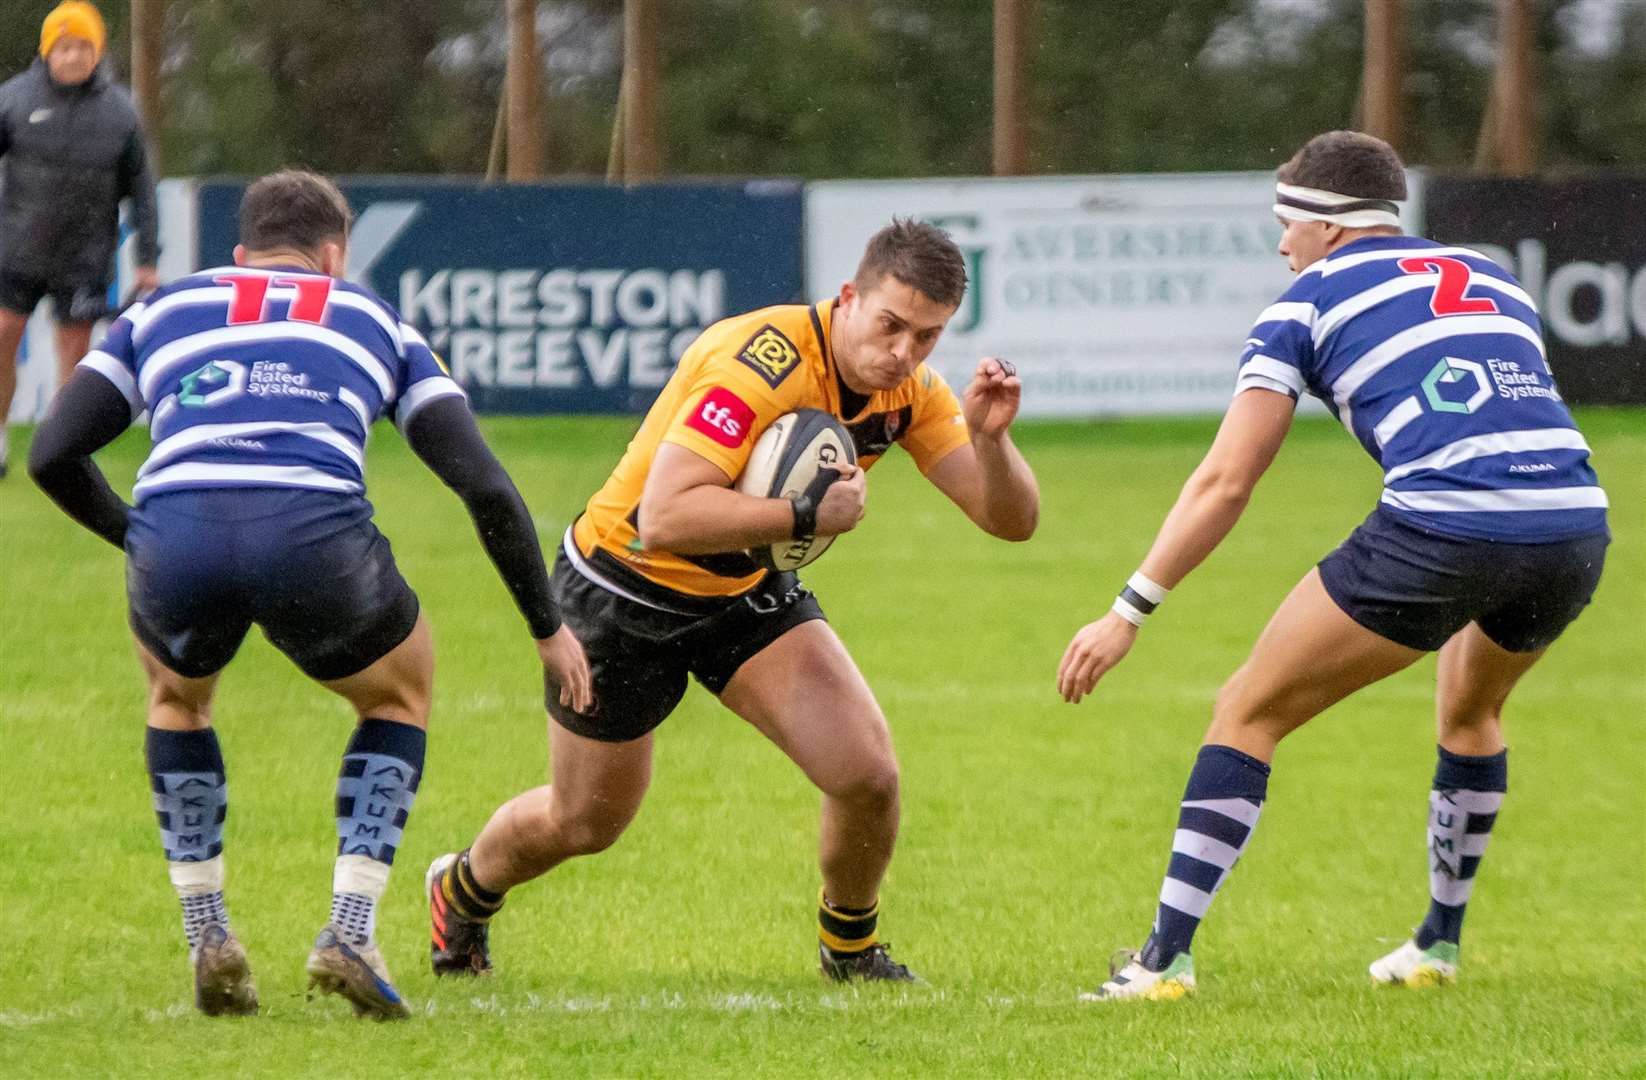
[(740, 375)]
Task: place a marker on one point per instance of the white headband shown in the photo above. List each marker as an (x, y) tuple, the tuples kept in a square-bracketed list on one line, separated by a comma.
[(1351, 211)]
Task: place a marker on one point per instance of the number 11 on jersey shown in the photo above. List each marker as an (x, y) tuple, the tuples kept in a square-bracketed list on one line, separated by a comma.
[(251, 297)]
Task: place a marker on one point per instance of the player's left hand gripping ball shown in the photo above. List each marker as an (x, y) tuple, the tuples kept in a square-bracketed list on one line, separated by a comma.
[(992, 397)]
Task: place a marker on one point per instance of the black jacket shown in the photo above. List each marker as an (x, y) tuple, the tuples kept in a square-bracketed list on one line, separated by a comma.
[(68, 155)]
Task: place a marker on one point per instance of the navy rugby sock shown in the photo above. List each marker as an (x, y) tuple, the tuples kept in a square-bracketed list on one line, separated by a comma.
[(375, 790), (191, 801), (1221, 804), (1462, 809)]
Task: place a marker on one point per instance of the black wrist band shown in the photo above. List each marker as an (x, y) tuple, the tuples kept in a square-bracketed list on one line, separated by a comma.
[(1138, 600), (805, 516)]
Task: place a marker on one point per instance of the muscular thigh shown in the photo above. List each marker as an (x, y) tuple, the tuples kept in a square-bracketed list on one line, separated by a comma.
[(1310, 656), (804, 692)]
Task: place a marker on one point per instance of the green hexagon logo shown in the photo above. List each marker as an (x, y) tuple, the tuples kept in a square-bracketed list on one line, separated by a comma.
[(1451, 370), (211, 383)]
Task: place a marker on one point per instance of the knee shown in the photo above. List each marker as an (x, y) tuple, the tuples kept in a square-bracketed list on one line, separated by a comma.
[(873, 786), (568, 831), (589, 835), (1233, 706), (403, 701), (176, 710), (1242, 711), (1483, 717)]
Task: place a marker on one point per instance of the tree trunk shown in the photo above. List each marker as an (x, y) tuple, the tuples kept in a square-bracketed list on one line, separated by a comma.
[(1381, 71), (525, 124), (148, 34), (1011, 144), (642, 157)]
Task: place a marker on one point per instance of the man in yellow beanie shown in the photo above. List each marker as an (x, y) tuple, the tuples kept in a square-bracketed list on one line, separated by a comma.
[(77, 26), (71, 149)]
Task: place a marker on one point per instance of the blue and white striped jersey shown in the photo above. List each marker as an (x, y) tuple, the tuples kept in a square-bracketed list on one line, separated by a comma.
[(265, 378), (1433, 358)]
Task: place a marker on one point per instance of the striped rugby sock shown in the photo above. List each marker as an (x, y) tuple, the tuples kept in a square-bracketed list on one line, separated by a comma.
[(1221, 804), (191, 802), (1462, 809), (847, 930), (375, 790)]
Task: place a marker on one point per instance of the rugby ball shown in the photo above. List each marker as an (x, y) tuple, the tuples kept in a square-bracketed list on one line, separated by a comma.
[(784, 462)]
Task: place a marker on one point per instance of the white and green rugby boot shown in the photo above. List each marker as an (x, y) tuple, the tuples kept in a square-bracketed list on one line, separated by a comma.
[(1417, 968), (1129, 980)]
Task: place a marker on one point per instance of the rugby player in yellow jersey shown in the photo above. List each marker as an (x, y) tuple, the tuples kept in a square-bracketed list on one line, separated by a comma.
[(655, 581)]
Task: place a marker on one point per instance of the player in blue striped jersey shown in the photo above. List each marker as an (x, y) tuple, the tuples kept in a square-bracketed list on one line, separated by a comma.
[(262, 381), (1487, 541)]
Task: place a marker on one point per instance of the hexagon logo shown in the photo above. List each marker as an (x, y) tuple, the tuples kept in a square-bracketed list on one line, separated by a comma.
[(211, 383), (1451, 370)]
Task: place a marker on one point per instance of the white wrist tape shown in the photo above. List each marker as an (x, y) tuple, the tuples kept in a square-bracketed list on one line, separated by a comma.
[(1138, 600)]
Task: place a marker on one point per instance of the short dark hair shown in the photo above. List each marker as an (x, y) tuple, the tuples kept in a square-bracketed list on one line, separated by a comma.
[(293, 208), (918, 254), (1349, 163)]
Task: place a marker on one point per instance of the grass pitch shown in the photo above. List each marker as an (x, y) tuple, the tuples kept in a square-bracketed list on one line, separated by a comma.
[(1034, 834)]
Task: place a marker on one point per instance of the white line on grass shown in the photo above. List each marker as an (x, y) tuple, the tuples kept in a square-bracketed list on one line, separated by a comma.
[(498, 1005)]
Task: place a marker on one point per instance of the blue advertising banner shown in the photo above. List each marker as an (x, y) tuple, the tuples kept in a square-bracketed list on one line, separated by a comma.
[(559, 298)]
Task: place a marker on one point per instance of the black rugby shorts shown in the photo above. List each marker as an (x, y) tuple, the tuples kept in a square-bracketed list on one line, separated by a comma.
[(640, 656), (1418, 588), (74, 301)]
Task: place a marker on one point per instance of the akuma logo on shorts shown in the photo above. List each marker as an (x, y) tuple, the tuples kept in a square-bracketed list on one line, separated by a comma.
[(1449, 372), (211, 383), (723, 417)]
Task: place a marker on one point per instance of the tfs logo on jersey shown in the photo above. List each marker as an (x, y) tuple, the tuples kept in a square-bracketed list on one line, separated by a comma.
[(211, 383), (723, 417)]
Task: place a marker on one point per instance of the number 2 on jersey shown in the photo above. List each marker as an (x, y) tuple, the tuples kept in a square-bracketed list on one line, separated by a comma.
[(251, 297), (1455, 276)]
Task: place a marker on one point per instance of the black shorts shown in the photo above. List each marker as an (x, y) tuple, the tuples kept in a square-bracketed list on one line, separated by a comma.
[(640, 656), (309, 567), (1418, 588), (75, 301)]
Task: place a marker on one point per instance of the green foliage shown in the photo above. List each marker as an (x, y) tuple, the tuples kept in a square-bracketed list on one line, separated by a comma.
[(859, 88), (1034, 832)]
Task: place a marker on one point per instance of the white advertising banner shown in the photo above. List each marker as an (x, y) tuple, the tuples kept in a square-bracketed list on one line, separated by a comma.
[(1113, 295)]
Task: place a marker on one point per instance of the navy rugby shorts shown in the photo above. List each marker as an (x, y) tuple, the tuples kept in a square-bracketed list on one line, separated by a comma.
[(1418, 588), (74, 301), (309, 567), (640, 656)]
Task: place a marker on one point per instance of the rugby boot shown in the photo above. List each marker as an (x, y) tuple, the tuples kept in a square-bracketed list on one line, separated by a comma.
[(457, 944), (223, 984), (873, 964), (1129, 980), (356, 973), (1417, 968)]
